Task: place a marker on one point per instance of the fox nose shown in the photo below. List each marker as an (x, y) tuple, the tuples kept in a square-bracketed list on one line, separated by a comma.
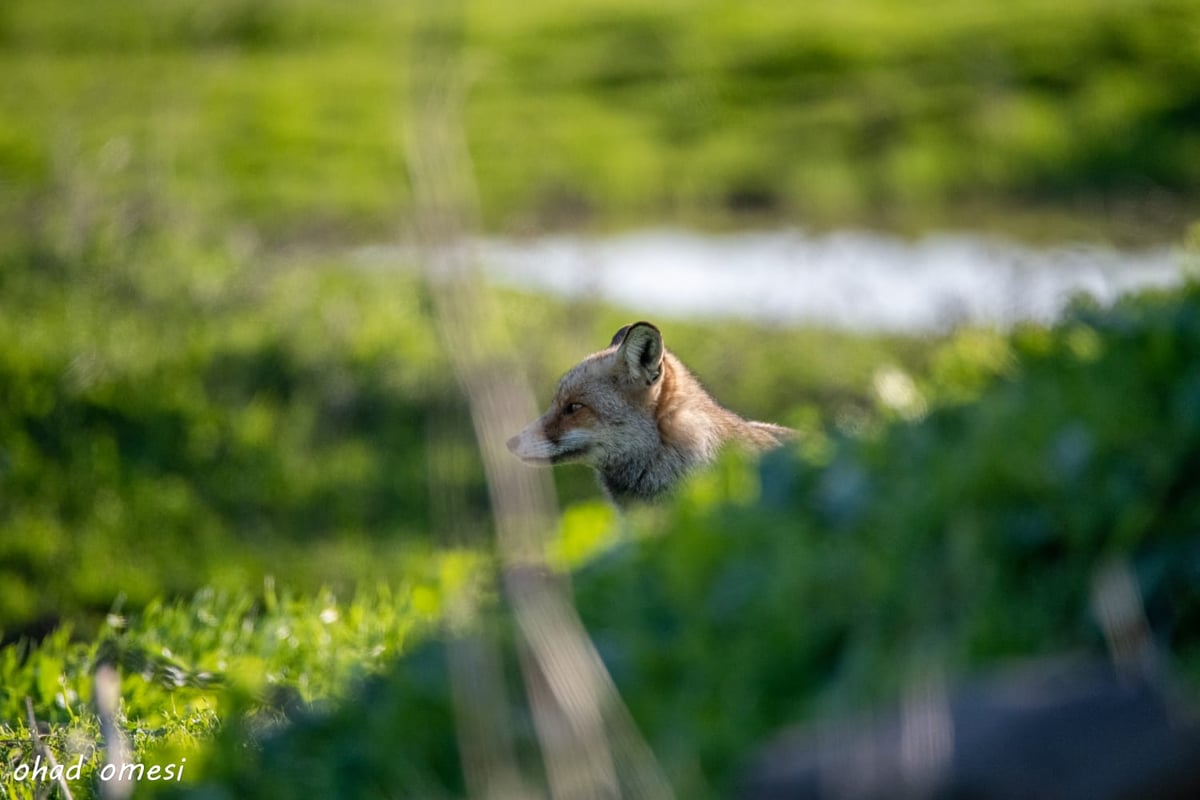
[(511, 444)]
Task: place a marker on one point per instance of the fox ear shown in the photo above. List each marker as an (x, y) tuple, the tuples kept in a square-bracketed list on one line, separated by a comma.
[(642, 352), (619, 336)]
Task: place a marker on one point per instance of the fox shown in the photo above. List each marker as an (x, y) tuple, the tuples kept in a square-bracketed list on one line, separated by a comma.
[(639, 418)]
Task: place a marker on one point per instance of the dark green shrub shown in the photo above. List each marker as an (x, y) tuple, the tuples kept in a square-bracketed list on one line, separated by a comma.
[(810, 585)]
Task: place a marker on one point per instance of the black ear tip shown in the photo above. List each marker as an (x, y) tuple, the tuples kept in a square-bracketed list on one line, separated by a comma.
[(619, 336), (651, 339)]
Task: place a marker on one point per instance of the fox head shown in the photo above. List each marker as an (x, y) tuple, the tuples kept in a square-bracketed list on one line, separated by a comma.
[(603, 410), (634, 413)]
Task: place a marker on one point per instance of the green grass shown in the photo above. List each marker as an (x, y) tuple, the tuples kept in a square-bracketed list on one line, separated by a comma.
[(226, 416), (953, 531), (286, 119), (200, 389), (217, 424), (1077, 452), (189, 665), (824, 580)]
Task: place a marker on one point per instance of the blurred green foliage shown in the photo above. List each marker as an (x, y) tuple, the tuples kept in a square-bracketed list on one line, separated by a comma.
[(178, 421), (189, 665), (825, 578), (175, 414), (194, 392), (285, 118), (949, 544), (859, 109)]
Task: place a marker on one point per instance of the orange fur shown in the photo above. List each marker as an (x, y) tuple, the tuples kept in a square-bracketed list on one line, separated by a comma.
[(636, 414)]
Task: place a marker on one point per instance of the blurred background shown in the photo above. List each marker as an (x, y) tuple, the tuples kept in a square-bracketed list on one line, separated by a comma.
[(225, 405)]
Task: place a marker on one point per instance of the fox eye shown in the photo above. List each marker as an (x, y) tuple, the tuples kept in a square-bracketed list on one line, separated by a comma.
[(571, 408)]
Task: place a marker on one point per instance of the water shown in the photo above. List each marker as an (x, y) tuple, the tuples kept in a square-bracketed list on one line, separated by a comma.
[(849, 280), (854, 280)]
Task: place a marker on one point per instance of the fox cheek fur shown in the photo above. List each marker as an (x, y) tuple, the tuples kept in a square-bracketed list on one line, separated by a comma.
[(637, 415), (544, 442)]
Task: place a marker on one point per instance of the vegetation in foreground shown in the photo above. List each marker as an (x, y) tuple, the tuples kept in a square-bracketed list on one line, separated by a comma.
[(192, 397), (828, 577), (187, 666), (953, 536)]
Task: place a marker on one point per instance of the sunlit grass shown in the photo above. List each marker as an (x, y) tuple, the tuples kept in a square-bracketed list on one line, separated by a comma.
[(188, 665), (198, 388), (287, 118)]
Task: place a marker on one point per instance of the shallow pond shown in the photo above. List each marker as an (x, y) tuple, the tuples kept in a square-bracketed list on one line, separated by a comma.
[(855, 280)]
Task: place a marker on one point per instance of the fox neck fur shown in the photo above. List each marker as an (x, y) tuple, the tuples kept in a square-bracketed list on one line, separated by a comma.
[(689, 429), (639, 417)]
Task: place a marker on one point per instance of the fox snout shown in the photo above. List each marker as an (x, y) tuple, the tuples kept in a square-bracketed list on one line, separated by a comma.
[(535, 445), (531, 446), (514, 445)]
